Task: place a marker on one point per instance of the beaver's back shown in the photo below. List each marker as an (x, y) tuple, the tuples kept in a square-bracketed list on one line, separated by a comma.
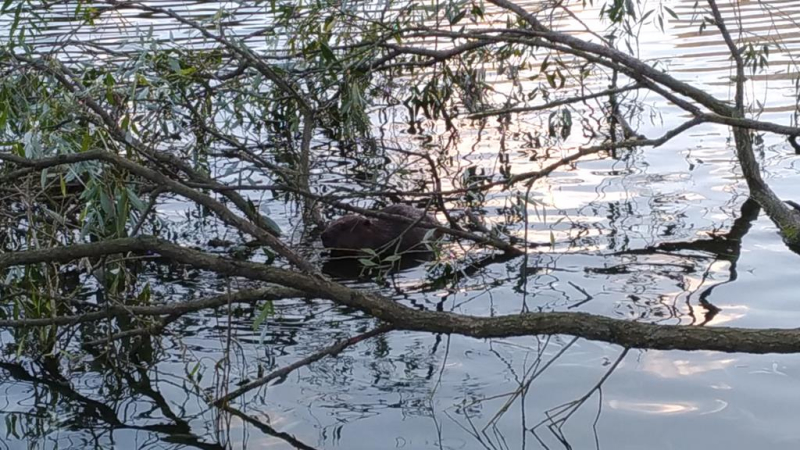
[(355, 232)]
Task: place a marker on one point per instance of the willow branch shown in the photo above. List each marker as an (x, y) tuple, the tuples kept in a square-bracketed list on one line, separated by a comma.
[(553, 104), (735, 54), (179, 309), (178, 188), (587, 326), (63, 75)]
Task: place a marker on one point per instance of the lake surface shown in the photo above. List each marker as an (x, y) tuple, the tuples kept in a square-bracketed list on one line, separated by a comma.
[(639, 237)]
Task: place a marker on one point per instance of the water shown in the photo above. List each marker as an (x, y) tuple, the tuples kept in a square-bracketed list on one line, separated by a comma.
[(411, 390)]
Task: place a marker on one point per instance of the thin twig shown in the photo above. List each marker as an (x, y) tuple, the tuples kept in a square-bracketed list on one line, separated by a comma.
[(333, 350)]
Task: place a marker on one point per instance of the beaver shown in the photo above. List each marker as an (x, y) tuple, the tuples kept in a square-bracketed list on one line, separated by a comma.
[(353, 232)]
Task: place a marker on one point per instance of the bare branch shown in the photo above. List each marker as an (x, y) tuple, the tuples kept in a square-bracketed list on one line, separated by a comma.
[(554, 104), (333, 350), (587, 326)]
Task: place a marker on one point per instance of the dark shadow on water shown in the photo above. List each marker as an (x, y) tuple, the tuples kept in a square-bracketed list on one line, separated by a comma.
[(351, 267)]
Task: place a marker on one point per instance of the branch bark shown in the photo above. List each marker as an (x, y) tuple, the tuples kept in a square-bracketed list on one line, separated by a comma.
[(597, 328)]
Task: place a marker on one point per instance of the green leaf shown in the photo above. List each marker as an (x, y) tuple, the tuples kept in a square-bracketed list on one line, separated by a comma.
[(477, 10), (545, 64), (86, 141), (144, 296), (269, 254), (272, 225), (267, 310), (17, 14), (174, 65), (330, 22), (566, 123), (551, 80), (430, 235), (56, 216), (327, 53), (105, 202), (457, 18), (193, 373), (123, 208), (135, 200), (367, 262)]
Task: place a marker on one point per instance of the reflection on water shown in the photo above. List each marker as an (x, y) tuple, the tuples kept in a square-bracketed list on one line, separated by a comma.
[(663, 235), (666, 365), (654, 408)]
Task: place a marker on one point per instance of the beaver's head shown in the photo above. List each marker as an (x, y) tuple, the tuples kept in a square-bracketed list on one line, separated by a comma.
[(350, 232)]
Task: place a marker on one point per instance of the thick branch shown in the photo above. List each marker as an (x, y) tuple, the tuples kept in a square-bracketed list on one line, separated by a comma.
[(617, 56), (787, 219), (588, 326)]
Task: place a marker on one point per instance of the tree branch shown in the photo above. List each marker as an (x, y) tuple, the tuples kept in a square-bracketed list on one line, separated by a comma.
[(587, 326), (333, 350)]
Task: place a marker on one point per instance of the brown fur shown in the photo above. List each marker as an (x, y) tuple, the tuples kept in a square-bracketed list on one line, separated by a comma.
[(354, 232)]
